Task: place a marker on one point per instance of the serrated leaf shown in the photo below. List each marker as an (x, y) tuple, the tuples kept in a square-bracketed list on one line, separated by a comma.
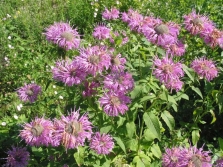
[(152, 122), (195, 136), (130, 127), (132, 144), (136, 92), (168, 119), (146, 98), (149, 136), (120, 143), (155, 149), (105, 129), (197, 90), (220, 141)]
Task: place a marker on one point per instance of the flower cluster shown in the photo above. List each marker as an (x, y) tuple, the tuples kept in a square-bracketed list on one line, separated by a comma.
[(168, 73), (29, 92), (201, 25), (63, 35), (156, 31), (184, 157), (17, 157), (69, 131), (111, 14), (205, 68)]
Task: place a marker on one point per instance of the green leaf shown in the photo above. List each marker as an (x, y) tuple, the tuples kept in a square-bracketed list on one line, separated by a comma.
[(136, 92), (79, 155), (149, 136), (146, 98), (152, 122), (120, 143), (168, 119), (213, 116), (105, 129), (130, 127), (155, 149), (197, 90), (187, 71), (195, 136), (132, 144)]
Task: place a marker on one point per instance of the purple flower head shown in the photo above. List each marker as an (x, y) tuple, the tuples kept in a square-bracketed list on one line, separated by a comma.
[(72, 130), (117, 63), (114, 103), (196, 24), (205, 68), (29, 92), (90, 88), (175, 49), (174, 157), (213, 38), (219, 163), (63, 35), (17, 157), (111, 15), (101, 32), (186, 157), (119, 81), (149, 23), (166, 70), (175, 84), (102, 143), (199, 157), (38, 132), (94, 59), (162, 34), (69, 73), (133, 18)]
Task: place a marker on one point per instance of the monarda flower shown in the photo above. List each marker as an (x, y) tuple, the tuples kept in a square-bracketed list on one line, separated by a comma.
[(101, 32), (162, 34), (117, 63), (205, 68), (90, 88), (196, 24), (175, 49), (213, 38), (71, 131), (94, 59), (119, 81), (114, 103), (69, 73), (166, 70), (102, 143), (38, 132), (63, 35), (186, 157), (29, 92), (219, 163), (133, 18), (111, 15), (17, 157)]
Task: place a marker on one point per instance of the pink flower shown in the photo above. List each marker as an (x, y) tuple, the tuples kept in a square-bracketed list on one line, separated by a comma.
[(175, 49), (69, 73), (102, 143), (111, 15), (101, 32), (166, 70), (38, 132), (63, 35), (205, 68), (17, 157), (119, 81), (196, 24), (94, 59), (29, 92), (114, 103), (72, 130), (90, 88)]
